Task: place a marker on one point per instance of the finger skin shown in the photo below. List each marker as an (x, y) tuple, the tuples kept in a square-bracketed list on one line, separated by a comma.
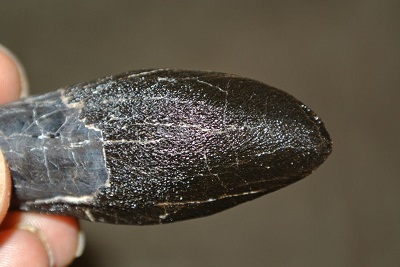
[(5, 187), (10, 82), (59, 232), (20, 246)]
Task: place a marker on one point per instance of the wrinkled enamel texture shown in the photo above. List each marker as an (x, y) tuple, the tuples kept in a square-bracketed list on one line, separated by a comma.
[(157, 146)]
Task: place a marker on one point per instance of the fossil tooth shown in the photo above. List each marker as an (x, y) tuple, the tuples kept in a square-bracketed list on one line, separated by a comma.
[(157, 146)]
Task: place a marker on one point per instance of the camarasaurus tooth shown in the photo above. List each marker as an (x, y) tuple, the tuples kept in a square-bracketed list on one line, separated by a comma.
[(157, 146)]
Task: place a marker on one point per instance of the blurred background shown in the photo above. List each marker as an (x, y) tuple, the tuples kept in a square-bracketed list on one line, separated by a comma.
[(340, 58)]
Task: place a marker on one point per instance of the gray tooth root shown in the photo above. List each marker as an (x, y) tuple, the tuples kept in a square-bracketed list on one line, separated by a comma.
[(157, 146)]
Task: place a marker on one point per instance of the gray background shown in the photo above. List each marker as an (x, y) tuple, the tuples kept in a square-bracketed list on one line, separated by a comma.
[(340, 58)]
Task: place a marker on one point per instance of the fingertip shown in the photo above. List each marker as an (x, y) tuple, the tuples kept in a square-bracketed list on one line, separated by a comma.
[(22, 248), (60, 236), (13, 82), (5, 187)]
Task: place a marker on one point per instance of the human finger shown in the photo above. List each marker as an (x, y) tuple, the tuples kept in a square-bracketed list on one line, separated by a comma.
[(56, 240), (13, 82)]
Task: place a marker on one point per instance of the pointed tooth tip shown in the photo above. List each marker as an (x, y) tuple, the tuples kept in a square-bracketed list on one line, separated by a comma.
[(325, 138)]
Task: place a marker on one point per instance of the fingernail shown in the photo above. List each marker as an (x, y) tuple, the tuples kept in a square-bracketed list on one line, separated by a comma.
[(80, 247), (34, 230), (22, 74)]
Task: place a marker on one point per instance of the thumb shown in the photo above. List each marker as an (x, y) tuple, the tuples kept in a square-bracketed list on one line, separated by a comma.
[(5, 187)]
